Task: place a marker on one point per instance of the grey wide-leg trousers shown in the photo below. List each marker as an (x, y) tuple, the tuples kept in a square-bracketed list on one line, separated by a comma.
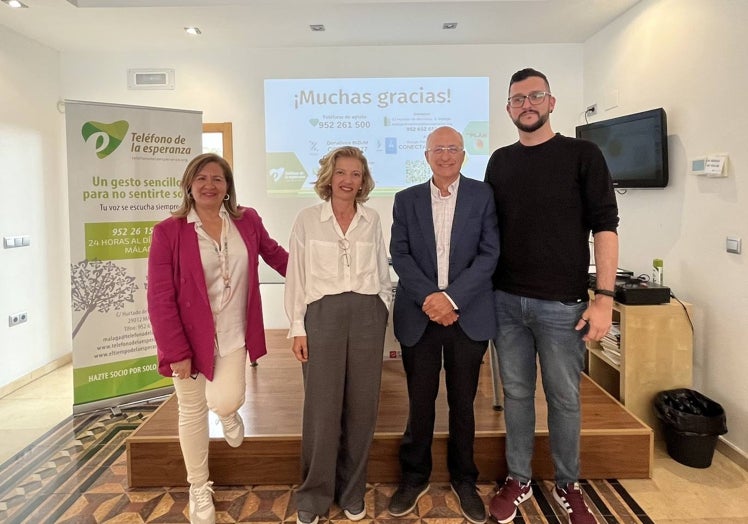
[(345, 338)]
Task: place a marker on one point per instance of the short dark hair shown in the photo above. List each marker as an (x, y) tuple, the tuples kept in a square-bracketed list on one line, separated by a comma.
[(524, 74)]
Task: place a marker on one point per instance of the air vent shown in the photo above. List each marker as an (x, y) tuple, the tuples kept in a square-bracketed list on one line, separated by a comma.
[(150, 79)]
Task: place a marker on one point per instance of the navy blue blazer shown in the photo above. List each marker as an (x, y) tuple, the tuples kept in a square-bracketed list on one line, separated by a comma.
[(474, 252)]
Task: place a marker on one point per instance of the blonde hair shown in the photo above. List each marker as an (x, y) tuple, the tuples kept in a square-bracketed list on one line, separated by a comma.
[(323, 186), (193, 168)]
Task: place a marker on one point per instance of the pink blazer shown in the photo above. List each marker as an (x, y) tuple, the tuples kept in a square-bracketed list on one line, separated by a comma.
[(178, 303)]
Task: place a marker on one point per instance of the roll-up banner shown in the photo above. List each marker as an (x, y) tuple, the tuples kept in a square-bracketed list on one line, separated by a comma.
[(125, 164)]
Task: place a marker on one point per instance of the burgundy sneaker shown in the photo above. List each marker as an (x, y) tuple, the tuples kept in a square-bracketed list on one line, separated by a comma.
[(503, 505), (571, 499)]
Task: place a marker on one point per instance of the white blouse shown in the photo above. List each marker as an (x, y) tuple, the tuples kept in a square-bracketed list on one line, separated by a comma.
[(226, 277), (324, 261)]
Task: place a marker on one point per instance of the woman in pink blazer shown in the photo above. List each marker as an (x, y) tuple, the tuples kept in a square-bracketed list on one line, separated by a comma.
[(205, 310)]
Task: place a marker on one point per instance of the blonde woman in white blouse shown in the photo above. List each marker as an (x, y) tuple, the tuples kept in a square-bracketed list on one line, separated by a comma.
[(338, 293)]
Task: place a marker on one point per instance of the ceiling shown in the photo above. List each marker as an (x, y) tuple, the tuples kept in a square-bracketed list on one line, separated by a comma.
[(230, 25)]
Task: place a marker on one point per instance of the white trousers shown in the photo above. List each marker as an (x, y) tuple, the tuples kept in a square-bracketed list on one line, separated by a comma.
[(223, 395)]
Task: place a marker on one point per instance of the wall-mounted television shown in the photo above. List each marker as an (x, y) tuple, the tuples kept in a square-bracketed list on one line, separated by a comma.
[(634, 146)]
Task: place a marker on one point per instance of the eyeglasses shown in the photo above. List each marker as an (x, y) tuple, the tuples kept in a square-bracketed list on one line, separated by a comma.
[(452, 150), (535, 98), (344, 245)]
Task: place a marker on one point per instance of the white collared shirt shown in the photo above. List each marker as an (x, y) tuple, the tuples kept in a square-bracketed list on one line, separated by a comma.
[(323, 261), (225, 263), (443, 212)]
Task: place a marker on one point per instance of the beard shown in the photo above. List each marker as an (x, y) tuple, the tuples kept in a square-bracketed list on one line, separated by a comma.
[(530, 128)]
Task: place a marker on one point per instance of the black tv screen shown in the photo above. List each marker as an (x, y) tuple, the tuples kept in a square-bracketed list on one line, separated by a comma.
[(634, 146)]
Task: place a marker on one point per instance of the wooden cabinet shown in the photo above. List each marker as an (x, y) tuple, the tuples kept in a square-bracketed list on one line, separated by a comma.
[(656, 346)]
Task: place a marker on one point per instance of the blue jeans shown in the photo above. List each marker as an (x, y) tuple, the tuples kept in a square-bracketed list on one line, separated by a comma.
[(531, 329)]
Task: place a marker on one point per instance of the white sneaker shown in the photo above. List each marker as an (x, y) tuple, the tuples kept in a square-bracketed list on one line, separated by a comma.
[(355, 513), (202, 510), (233, 430)]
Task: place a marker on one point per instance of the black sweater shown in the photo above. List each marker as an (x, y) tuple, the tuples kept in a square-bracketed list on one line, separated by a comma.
[(548, 199)]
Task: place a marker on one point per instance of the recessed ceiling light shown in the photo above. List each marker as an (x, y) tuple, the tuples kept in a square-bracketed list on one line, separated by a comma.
[(193, 30), (14, 3), (317, 27), (449, 25)]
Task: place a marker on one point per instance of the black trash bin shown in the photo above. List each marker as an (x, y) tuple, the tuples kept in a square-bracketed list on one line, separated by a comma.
[(691, 423)]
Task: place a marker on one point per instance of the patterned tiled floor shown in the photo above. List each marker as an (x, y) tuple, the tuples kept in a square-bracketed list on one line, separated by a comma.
[(77, 474)]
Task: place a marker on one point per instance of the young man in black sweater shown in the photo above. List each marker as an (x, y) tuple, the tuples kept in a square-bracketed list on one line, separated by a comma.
[(550, 192)]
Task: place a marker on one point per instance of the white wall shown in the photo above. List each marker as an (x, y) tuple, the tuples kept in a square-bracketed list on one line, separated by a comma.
[(229, 90), (689, 57), (33, 202)]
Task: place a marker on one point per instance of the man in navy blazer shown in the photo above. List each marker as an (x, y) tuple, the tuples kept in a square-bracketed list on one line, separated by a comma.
[(444, 248)]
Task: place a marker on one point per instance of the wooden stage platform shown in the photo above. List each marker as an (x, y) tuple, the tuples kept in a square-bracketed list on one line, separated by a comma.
[(615, 444)]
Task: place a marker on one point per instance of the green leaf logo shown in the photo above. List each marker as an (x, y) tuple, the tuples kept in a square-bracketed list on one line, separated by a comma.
[(107, 137)]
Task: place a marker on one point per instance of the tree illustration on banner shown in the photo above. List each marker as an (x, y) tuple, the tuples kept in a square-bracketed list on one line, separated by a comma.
[(101, 286)]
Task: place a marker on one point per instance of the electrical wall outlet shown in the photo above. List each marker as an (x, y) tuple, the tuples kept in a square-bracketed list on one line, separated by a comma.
[(591, 110), (17, 318)]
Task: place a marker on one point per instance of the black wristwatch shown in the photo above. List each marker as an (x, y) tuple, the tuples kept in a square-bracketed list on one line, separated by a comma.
[(605, 293)]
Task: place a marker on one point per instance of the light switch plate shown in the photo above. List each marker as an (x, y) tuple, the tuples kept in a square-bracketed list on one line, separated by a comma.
[(734, 245), (19, 241)]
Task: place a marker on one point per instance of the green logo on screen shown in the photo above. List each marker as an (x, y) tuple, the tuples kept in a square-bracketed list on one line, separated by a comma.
[(107, 137)]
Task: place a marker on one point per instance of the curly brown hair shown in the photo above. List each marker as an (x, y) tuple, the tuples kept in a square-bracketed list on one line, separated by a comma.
[(323, 185)]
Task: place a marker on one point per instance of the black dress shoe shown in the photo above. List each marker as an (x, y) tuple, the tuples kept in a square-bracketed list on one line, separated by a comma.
[(471, 504), (406, 497)]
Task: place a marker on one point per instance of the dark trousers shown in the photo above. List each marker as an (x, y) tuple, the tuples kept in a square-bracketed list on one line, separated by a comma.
[(345, 337), (462, 359)]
